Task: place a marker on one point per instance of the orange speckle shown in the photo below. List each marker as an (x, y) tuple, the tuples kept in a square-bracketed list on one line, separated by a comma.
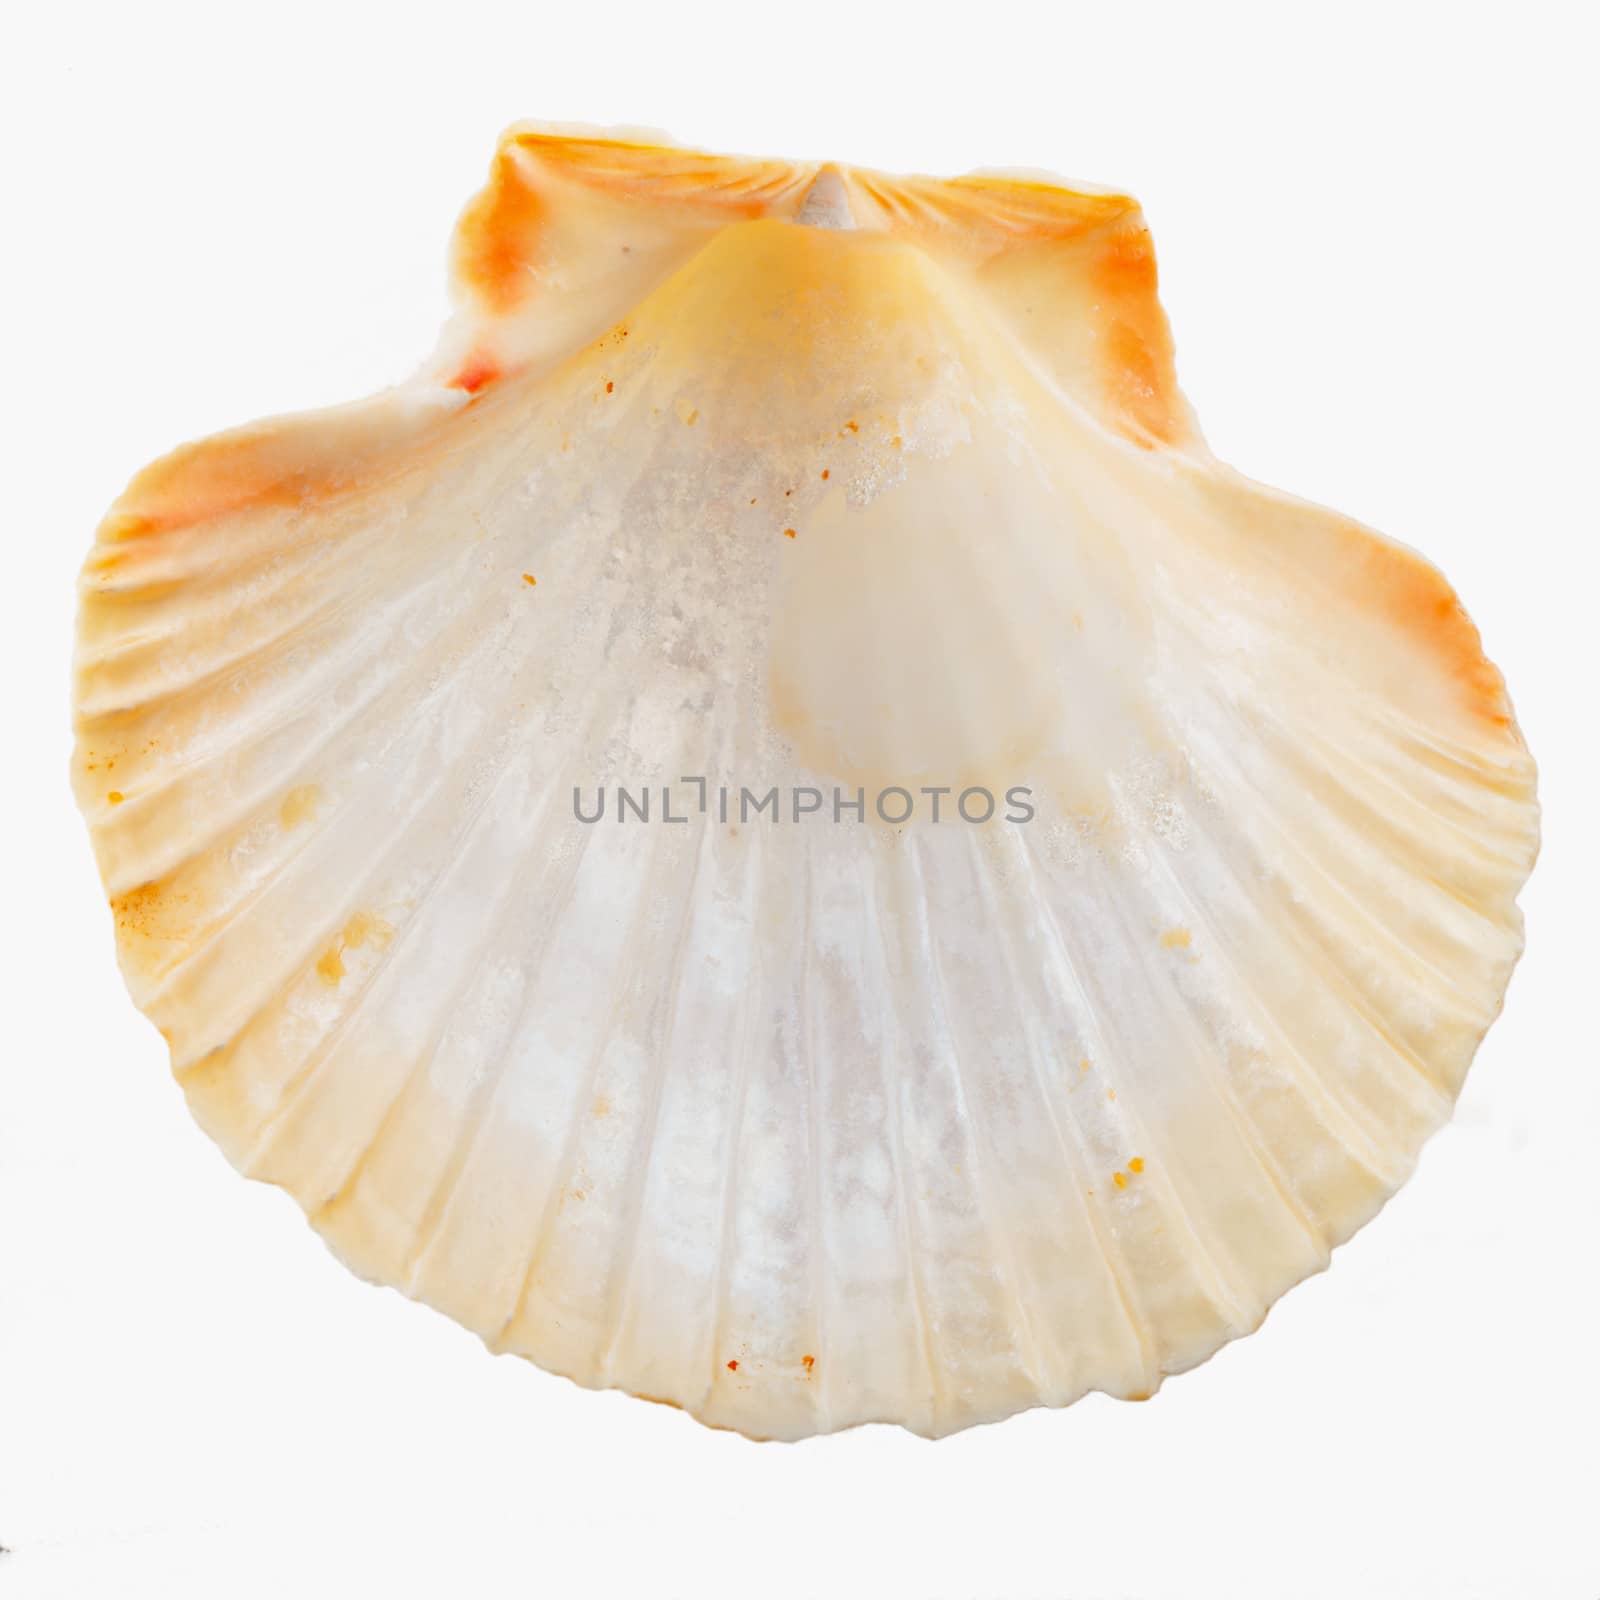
[(824, 473), (152, 913), (894, 443), (1111, 1094), (1120, 1179), (808, 1362), (610, 387), (529, 579), (299, 805), (733, 1366), (1176, 939), (157, 922), (476, 371), (115, 797), (851, 427), (687, 414), (1136, 1164), (788, 533), (362, 929)]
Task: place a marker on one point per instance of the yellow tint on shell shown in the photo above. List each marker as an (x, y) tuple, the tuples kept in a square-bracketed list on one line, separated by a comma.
[(796, 477)]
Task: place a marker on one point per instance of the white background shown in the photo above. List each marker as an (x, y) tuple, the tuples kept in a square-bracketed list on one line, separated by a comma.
[(1376, 226)]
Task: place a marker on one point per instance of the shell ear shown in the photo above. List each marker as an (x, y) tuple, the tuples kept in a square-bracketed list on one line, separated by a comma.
[(573, 230), (1085, 305)]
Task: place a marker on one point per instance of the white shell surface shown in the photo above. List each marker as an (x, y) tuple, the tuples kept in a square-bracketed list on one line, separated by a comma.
[(748, 476)]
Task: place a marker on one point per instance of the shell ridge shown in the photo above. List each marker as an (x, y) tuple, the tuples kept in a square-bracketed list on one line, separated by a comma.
[(215, 599), (1066, 977), (296, 707), (660, 867), (1073, 965), (817, 1253), (477, 1125), (1335, 1107), (506, 903), (484, 650), (1074, 1160), (1510, 777), (1446, 990), (298, 696), (1366, 844), (214, 672), (1178, 1006), (624, 1252), (1316, 945), (894, 1087), (936, 984), (382, 861), (1236, 1298), (1225, 753), (1461, 843), (746, 1033), (501, 1338), (420, 662), (323, 1057), (258, 580), (1348, 1114)]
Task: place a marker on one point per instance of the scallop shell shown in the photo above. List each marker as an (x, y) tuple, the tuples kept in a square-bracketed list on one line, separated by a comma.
[(768, 498)]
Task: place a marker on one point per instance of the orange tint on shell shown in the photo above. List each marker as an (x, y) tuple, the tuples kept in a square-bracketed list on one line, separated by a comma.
[(496, 240), (1136, 353), (1418, 598)]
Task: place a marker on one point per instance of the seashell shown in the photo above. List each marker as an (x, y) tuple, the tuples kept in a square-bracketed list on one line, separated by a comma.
[(1047, 886)]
